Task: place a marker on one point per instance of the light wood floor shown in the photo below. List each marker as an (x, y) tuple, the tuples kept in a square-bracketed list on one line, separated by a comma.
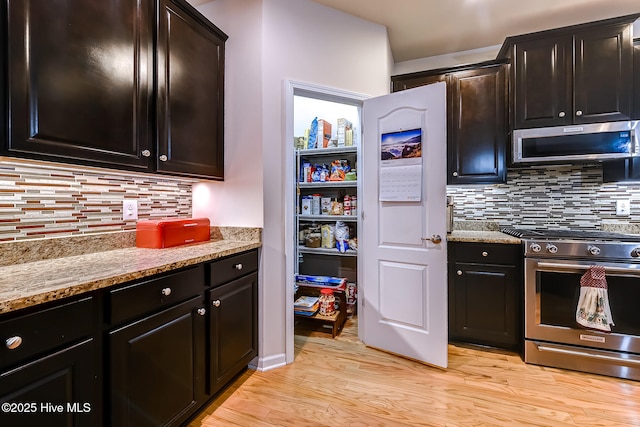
[(340, 382)]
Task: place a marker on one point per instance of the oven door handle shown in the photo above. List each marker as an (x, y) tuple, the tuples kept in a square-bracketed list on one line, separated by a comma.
[(550, 265)]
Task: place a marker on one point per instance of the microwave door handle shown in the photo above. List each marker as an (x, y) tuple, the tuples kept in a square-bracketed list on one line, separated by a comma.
[(556, 266)]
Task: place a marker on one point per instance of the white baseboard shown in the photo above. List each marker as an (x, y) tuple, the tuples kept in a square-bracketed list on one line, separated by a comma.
[(262, 364)]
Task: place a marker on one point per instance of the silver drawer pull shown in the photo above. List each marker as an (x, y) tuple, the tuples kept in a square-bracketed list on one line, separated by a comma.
[(216, 303), (146, 153), (166, 292), (485, 253), (13, 342), (163, 158), (238, 266), (202, 311), (459, 272)]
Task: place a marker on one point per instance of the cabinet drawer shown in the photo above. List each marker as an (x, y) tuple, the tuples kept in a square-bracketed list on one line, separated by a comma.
[(486, 253), (45, 330), (231, 268), (141, 298)]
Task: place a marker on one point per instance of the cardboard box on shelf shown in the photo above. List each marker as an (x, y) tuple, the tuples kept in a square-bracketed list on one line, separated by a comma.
[(324, 133), (344, 125)]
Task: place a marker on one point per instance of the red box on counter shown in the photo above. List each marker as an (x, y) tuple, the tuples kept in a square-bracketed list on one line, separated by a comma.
[(165, 233)]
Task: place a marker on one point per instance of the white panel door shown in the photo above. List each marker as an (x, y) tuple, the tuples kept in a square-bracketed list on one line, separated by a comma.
[(403, 242)]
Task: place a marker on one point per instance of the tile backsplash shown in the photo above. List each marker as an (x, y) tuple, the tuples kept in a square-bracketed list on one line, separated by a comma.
[(47, 200), (550, 197)]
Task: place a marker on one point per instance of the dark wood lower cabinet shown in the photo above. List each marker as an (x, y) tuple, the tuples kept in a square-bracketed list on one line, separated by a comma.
[(485, 295), (59, 389), (157, 367), (150, 352), (234, 334)]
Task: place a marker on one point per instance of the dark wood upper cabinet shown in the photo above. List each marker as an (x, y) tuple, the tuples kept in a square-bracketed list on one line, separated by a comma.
[(476, 127), (636, 79), (79, 81), (190, 93), (125, 84), (476, 119), (542, 88), (573, 75)]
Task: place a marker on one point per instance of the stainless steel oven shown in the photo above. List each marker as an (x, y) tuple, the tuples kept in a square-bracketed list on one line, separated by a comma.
[(554, 263)]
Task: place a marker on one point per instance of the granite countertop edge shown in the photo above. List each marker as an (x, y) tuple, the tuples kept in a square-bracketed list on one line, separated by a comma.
[(33, 283), (482, 236)]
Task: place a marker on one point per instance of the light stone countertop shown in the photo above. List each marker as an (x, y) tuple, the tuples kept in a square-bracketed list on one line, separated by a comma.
[(28, 284), (482, 236)]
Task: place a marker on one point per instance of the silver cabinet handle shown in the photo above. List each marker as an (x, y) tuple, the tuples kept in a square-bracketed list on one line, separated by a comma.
[(13, 342), (455, 174), (561, 114), (484, 253), (238, 266), (163, 158), (202, 311), (146, 153), (578, 113), (216, 303), (459, 272), (166, 292)]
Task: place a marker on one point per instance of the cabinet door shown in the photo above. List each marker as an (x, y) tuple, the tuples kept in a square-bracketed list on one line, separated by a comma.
[(636, 79), (542, 73), (190, 101), (234, 329), (59, 389), (477, 126), (80, 81), (603, 75), (157, 367), (482, 304)]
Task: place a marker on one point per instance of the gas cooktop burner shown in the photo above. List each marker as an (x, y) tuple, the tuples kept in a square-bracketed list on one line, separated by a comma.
[(592, 235)]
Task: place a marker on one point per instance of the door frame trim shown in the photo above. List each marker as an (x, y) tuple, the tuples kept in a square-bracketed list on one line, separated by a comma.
[(293, 88)]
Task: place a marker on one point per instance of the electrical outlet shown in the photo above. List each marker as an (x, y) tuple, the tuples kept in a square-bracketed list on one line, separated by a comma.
[(129, 209), (623, 207)]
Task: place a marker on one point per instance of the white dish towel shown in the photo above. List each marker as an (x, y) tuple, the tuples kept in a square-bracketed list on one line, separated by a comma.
[(593, 305)]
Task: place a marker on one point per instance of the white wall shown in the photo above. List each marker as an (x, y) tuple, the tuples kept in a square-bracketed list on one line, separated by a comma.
[(238, 200), (271, 42), (447, 60)]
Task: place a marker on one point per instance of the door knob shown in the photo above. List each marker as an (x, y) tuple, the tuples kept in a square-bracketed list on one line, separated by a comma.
[(163, 158), (578, 113), (216, 303), (435, 238), (561, 114)]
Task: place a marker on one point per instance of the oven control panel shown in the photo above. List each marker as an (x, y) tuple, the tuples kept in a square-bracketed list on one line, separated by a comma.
[(577, 249)]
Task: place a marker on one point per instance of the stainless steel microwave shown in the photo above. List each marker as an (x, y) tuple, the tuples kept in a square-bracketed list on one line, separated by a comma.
[(577, 144)]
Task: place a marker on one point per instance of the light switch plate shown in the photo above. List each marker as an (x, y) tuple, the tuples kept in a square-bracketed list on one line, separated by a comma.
[(623, 207), (129, 209)]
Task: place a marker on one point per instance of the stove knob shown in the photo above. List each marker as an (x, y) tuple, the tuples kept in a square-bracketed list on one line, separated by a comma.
[(594, 250), (552, 249), (635, 252), (535, 247)]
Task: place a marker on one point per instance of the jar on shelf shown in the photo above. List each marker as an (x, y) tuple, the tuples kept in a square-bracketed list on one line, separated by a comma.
[(327, 302)]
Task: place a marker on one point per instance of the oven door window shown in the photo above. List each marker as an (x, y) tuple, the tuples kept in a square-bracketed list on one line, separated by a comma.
[(558, 295)]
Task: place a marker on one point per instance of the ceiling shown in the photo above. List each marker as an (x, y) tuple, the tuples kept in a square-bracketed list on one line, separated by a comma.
[(422, 28)]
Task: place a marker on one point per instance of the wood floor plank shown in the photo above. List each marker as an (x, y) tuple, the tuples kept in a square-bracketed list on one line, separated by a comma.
[(341, 382)]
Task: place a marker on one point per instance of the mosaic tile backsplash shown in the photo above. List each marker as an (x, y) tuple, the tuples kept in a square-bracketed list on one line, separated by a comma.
[(551, 197), (44, 200)]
